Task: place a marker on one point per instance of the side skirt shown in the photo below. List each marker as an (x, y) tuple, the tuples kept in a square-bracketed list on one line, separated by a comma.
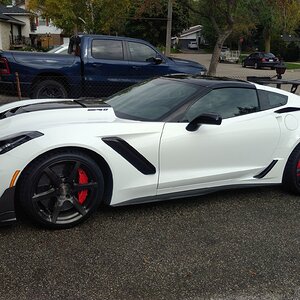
[(186, 194)]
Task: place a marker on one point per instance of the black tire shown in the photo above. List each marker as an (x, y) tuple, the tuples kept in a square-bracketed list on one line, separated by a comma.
[(244, 64), (272, 68), (49, 89), (291, 175), (61, 189)]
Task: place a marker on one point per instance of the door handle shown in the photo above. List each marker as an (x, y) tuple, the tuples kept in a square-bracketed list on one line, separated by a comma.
[(136, 67)]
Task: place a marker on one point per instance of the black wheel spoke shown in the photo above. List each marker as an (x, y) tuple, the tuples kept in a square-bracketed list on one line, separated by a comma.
[(85, 186), (44, 195), (74, 172), (80, 208), (55, 179), (56, 211)]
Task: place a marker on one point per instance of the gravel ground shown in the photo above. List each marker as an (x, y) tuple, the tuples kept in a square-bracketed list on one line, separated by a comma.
[(242, 244)]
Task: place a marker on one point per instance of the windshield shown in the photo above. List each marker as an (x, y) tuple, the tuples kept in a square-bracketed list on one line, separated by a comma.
[(152, 100)]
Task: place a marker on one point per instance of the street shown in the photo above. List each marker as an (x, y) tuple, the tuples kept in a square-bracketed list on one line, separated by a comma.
[(239, 244)]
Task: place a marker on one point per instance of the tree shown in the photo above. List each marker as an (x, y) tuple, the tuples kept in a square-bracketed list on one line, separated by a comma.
[(91, 16), (275, 17), (5, 2), (148, 20), (222, 16)]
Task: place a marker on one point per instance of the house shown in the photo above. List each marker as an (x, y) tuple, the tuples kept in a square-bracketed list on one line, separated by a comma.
[(192, 34), (43, 33), (14, 27)]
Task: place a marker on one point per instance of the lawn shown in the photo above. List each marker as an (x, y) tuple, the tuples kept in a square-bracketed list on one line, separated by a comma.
[(292, 65)]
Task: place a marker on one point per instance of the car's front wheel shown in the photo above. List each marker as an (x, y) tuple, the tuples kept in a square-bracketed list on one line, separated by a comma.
[(61, 189)]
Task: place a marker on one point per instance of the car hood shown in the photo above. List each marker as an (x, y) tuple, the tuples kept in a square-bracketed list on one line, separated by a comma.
[(38, 114), (186, 63)]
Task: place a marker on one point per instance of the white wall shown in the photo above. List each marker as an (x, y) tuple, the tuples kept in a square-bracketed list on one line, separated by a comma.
[(43, 29), (4, 36), (192, 36), (25, 29)]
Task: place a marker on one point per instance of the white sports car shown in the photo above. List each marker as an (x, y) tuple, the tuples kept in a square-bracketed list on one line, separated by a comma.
[(166, 138)]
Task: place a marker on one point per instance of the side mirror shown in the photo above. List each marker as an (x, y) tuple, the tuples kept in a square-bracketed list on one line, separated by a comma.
[(209, 119), (155, 60)]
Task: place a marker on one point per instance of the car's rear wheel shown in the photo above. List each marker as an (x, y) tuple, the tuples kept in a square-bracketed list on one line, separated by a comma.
[(61, 189), (291, 175), (244, 64)]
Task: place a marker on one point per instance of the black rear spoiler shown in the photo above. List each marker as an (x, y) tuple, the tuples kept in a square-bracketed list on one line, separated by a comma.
[(278, 82)]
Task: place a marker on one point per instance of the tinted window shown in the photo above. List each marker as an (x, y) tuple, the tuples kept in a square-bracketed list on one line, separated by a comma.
[(268, 55), (227, 102), (107, 49), (140, 52), (152, 100), (271, 100)]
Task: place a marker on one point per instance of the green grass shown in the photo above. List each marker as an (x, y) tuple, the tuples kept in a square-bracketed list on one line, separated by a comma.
[(292, 66)]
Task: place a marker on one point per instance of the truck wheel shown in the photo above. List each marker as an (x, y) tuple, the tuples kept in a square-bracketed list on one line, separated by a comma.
[(49, 89)]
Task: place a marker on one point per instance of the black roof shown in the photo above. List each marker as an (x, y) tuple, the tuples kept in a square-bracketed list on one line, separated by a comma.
[(7, 13), (8, 10), (211, 81)]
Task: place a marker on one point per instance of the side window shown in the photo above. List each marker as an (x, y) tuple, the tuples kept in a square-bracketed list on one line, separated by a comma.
[(107, 49), (270, 100), (140, 52), (227, 102)]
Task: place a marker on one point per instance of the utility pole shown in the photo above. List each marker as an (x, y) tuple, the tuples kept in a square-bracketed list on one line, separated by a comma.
[(169, 28)]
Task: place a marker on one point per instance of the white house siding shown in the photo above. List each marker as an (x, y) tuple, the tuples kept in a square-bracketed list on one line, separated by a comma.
[(4, 36), (26, 28), (192, 36)]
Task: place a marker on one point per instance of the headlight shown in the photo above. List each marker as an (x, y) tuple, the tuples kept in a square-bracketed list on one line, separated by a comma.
[(12, 141)]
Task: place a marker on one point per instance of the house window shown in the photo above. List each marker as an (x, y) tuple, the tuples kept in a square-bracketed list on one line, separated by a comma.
[(42, 21)]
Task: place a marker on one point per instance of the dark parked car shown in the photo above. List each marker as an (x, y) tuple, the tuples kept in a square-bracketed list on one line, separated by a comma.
[(260, 60)]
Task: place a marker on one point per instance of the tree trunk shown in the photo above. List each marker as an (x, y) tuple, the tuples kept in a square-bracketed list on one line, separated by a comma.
[(267, 37), (217, 51)]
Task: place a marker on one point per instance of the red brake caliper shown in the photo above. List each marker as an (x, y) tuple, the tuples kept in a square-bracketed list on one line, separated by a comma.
[(82, 178)]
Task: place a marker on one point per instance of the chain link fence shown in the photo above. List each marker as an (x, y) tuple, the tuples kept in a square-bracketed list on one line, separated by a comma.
[(60, 87), (24, 86)]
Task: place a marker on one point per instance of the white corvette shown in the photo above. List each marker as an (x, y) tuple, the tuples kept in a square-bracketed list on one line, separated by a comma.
[(167, 138)]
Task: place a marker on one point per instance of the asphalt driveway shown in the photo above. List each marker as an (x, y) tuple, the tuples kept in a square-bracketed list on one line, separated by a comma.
[(242, 244)]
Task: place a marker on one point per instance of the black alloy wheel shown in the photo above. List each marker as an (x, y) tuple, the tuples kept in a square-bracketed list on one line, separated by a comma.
[(61, 189)]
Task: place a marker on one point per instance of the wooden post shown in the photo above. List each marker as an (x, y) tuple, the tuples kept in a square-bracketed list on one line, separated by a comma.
[(169, 28), (18, 85)]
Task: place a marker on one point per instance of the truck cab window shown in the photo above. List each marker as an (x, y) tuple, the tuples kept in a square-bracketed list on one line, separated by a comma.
[(140, 52), (107, 49)]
